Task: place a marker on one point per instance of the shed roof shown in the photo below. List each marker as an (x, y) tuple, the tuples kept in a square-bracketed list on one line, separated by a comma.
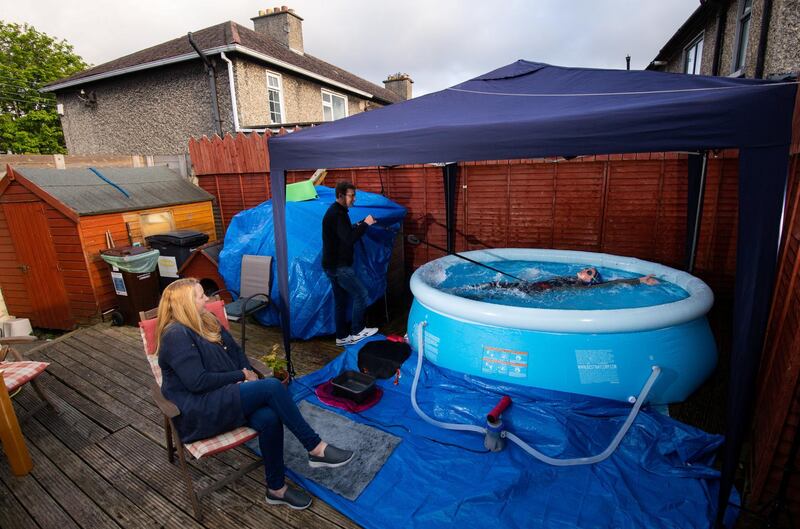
[(86, 193)]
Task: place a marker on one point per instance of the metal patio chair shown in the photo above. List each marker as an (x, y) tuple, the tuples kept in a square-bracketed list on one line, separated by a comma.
[(254, 291), (204, 447)]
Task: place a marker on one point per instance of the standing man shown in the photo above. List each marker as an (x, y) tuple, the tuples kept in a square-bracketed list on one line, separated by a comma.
[(338, 239)]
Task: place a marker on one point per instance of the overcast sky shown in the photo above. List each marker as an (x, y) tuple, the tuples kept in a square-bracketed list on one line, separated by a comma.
[(438, 42)]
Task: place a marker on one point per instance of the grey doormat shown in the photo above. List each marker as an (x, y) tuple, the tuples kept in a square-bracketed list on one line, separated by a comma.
[(372, 448)]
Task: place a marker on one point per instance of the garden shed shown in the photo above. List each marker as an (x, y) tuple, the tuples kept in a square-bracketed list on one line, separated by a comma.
[(54, 223)]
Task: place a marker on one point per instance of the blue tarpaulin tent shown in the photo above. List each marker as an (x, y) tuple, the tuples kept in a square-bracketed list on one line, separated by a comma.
[(251, 233), (529, 109)]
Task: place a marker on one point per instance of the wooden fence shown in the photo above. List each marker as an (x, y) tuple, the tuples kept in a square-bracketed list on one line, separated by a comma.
[(621, 204)]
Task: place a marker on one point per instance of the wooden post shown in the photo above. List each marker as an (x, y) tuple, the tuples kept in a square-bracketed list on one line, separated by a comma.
[(13, 444)]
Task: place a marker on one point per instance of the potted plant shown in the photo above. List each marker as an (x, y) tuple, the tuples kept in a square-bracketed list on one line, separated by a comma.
[(276, 361)]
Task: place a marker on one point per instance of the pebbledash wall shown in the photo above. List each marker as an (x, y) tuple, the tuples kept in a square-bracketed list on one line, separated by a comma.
[(133, 112), (782, 53), (302, 98)]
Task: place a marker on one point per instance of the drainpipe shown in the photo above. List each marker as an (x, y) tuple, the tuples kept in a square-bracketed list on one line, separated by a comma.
[(721, 17), (233, 92), (762, 39), (212, 83)]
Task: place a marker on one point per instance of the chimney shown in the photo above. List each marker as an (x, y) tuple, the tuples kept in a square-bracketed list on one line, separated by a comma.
[(400, 84), (281, 24)]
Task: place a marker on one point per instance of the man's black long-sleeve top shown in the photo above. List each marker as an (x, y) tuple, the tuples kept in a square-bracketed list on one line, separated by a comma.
[(339, 237)]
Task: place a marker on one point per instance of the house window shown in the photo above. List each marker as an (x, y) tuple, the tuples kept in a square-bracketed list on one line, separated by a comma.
[(275, 92), (333, 106), (742, 34), (693, 56)]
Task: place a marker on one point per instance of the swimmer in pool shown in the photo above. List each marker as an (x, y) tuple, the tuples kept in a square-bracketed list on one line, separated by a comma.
[(586, 278)]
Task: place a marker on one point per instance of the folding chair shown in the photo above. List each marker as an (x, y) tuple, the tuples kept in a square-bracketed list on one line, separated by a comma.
[(204, 447), (17, 372), (254, 290)]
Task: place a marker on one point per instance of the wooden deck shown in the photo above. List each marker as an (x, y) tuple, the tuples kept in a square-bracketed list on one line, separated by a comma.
[(100, 461)]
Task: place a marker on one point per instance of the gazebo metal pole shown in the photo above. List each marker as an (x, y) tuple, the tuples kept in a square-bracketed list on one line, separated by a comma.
[(698, 212)]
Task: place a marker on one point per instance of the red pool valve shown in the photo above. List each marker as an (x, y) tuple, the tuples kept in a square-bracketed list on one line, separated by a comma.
[(494, 415)]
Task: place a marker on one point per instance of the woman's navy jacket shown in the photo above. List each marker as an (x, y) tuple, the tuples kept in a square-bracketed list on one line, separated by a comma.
[(201, 377)]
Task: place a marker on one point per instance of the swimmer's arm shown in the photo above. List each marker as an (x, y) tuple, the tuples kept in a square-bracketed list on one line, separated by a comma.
[(643, 280)]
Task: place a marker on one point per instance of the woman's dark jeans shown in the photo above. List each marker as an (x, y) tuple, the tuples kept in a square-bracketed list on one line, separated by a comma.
[(268, 406), (346, 284)]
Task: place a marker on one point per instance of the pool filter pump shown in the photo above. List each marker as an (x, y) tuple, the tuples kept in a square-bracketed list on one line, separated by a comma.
[(494, 440)]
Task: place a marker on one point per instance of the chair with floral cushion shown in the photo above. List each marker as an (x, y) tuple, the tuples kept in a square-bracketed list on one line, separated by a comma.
[(204, 447)]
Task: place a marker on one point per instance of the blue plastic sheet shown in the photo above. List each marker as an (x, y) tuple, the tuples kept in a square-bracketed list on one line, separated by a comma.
[(251, 233), (659, 477)]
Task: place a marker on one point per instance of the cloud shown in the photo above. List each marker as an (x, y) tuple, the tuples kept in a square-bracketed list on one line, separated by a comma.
[(438, 43)]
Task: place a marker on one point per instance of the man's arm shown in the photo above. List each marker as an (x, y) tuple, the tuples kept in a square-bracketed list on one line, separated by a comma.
[(349, 233)]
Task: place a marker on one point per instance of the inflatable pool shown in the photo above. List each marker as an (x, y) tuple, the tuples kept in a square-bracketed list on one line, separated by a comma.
[(602, 352)]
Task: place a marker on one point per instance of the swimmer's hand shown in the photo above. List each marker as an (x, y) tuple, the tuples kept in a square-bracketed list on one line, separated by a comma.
[(648, 280)]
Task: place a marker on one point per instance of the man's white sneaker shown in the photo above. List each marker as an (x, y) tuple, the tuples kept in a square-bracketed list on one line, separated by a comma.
[(341, 342), (363, 333)]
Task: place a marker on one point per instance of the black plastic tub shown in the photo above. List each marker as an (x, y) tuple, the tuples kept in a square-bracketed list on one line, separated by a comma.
[(353, 385)]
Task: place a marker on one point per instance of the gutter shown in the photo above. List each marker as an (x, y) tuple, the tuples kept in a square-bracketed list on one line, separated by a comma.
[(228, 48), (762, 39), (212, 83)]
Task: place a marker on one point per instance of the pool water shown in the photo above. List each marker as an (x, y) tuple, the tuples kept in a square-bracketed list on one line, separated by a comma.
[(461, 279)]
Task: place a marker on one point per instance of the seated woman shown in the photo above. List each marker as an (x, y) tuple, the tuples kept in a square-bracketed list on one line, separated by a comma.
[(586, 278), (216, 390)]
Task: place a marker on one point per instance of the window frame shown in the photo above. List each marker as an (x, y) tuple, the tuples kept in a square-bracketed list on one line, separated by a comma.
[(698, 40), (279, 77), (743, 15), (324, 91)]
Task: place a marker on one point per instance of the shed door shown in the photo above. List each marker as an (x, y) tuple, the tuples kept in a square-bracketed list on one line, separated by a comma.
[(37, 259)]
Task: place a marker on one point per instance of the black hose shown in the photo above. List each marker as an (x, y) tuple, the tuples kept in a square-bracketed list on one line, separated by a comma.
[(413, 239)]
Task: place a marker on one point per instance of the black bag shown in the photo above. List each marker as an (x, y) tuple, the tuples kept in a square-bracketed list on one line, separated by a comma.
[(382, 358)]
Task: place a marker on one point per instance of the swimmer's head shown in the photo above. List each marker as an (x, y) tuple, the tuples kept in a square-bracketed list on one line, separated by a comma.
[(590, 276)]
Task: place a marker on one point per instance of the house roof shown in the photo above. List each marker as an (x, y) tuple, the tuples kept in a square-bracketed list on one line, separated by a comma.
[(85, 193), (687, 30), (229, 37)]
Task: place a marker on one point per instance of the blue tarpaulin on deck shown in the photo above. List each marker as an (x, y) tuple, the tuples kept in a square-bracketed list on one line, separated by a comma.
[(250, 233), (659, 477)]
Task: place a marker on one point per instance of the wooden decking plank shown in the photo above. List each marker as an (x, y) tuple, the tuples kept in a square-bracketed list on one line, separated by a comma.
[(12, 513), (136, 366), (105, 365), (40, 506), (63, 391), (137, 490), (103, 493), (148, 461), (72, 427), (78, 505), (90, 372), (123, 415)]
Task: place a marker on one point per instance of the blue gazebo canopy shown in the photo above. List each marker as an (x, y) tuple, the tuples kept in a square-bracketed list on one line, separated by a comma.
[(529, 109)]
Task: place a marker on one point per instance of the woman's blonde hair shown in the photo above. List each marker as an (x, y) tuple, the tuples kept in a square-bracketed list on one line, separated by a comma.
[(177, 305)]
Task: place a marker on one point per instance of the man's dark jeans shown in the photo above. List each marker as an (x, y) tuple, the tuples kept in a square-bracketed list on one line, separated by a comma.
[(346, 284)]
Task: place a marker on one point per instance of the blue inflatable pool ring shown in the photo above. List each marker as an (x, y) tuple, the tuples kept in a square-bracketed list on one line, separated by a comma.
[(602, 353), (251, 233)]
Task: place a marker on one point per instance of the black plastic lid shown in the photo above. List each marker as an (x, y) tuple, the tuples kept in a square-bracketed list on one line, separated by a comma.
[(179, 238)]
